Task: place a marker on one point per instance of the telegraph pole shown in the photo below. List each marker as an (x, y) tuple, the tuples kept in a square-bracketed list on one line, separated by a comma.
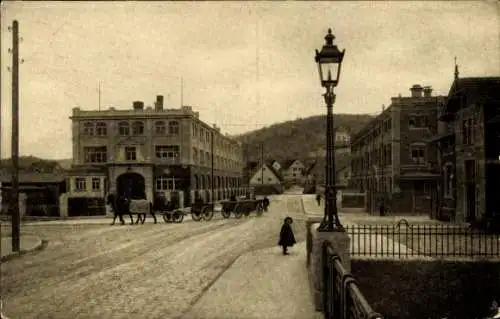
[(262, 160), (16, 220), (99, 91), (212, 168)]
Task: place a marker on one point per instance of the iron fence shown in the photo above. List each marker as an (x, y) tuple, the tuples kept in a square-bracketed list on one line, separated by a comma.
[(403, 240), (342, 298)]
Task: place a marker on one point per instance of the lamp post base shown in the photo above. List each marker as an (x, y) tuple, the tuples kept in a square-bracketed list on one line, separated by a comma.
[(325, 227)]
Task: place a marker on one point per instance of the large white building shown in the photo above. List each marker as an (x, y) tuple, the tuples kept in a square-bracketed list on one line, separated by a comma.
[(142, 151)]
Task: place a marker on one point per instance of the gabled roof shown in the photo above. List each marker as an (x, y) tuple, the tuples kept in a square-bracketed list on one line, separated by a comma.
[(275, 172), (482, 89), (269, 167), (289, 163)]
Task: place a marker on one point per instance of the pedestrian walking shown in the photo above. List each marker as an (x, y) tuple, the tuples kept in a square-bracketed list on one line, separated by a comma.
[(381, 208), (265, 203), (318, 199), (287, 239)]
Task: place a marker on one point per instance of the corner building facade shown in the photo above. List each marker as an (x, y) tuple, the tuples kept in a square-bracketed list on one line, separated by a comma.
[(145, 151), (390, 158)]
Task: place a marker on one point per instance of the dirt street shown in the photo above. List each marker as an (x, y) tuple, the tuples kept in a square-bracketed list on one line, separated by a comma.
[(133, 271)]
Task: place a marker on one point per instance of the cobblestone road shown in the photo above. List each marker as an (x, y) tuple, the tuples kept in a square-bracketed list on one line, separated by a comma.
[(140, 271)]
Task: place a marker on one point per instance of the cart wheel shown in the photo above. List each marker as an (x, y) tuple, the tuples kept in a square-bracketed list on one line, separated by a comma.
[(208, 213), (178, 217), (226, 212), (167, 218), (237, 211), (196, 216), (259, 210)]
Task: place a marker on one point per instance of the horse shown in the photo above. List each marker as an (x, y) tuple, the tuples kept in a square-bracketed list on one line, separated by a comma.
[(141, 207), (120, 206)]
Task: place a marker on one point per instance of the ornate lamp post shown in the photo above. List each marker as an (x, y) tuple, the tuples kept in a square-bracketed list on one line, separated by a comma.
[(329, 62)]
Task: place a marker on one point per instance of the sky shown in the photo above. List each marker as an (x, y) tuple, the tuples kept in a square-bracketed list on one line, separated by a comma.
[(244, 65)]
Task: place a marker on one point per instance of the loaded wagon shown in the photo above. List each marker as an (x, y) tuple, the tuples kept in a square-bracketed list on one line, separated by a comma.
[(201, 210), (170, 210), (242, 207)]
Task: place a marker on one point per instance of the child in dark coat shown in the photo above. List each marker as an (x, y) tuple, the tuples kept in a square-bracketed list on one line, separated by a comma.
[(287, 239)]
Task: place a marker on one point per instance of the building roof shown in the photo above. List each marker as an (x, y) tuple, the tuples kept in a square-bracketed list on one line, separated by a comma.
[(33, 177), (253, 167), (288, 163), (317, 168), (275, 172), (480, 89)]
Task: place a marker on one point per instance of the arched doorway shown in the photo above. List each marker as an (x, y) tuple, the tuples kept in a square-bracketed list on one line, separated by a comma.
[(132, 185)]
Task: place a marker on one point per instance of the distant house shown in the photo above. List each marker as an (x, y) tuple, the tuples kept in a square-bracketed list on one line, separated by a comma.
[(265, 175), (293, 171), (316, 171)]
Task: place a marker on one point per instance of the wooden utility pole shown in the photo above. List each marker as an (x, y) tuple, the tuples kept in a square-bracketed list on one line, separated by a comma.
[(14, 205), (262, 160), (212, 165), (99, 92)]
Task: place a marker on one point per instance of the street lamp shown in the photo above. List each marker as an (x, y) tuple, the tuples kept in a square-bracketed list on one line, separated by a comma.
[(329, 62)]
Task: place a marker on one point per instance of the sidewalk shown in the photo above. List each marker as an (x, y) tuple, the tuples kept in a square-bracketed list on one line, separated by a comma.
[(260, 284), (377, 243), (28, 244)]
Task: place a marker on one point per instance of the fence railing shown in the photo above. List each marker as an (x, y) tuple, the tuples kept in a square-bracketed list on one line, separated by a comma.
[(342, 298), (405, 240)]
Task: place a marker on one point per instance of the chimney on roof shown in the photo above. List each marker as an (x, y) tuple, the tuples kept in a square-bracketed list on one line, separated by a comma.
[(138, 105), (159, 103), (427, 91), (416, 90)]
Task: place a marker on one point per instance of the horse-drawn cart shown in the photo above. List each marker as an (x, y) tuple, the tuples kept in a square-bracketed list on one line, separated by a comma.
[(242, 207), (170, 211), (201, 210)]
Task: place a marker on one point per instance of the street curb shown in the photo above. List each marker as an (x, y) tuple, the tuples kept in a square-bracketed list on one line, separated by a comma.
[(42, 244)]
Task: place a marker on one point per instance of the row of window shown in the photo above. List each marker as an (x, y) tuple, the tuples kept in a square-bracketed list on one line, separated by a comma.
[(383, 157), (163, 152), (378, 157), (81, 184), (415, 121), (205, 136), (126, 128), (161, 183), (204, 158), (382, 128), (99, 154), (205, 181)]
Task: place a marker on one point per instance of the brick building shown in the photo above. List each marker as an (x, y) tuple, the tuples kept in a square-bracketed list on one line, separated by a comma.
[(390, 158), (469, 142), (142, 151)]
